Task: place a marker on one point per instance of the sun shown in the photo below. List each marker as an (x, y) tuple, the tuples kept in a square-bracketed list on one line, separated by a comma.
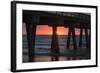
[(61, 31), (58, 32)]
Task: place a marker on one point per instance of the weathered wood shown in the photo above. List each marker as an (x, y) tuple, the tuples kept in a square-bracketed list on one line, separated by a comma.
[(74, 38), (68, 39), (89, 37), (31, 33), (54, 44), (47, 16), (89, 45), (74, 43), (71, 31), (86, 38), (80, 39)]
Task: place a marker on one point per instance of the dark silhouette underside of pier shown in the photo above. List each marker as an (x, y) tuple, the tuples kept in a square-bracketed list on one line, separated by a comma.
[(68, 20)]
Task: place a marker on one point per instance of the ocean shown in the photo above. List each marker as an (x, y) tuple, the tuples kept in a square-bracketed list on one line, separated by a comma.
[(43, 45)]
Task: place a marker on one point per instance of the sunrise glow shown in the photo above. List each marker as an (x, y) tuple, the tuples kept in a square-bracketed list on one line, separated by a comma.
[(47, 30)]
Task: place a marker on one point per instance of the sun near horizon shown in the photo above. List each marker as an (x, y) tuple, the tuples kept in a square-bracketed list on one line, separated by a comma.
[(47, 30)]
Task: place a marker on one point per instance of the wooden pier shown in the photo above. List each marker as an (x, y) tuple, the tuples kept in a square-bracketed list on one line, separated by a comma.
[(54, 20)]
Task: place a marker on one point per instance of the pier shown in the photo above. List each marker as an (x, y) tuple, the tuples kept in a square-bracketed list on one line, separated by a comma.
[(68, 20)]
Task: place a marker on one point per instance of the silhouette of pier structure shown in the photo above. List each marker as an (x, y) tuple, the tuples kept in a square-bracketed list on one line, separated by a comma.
[(55, 19)]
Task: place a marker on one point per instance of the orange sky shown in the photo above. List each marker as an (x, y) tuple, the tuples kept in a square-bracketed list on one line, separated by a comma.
[(47, 30)]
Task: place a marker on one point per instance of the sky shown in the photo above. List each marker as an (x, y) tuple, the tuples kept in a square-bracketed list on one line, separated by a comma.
[(47, 30)]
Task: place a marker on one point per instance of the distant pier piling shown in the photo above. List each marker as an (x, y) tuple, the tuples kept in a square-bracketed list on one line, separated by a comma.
[(71, 32), (54, 44)]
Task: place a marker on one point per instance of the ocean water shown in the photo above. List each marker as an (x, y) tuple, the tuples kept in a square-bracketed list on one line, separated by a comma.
[(43, 47)]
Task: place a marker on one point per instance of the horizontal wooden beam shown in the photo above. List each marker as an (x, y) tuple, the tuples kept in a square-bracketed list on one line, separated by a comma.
[(81, 17)]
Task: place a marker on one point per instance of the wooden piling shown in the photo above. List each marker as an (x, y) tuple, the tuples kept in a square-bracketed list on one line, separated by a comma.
[(89, 37), (74, 38), (80, 39), (31, 33), (68, 39), (54, 44), (86, 38), (31, 40), (72, 31)]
